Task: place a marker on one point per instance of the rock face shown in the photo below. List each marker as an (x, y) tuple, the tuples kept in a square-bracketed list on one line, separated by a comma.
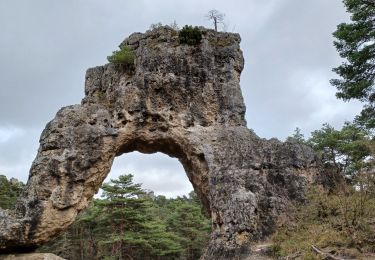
[(33, 256), (184, 101)]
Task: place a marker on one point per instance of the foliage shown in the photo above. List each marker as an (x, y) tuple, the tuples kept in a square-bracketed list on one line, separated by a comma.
[(191, 226), (346, 149), (172, 25), (123, 56), (121, 209), (190, 35), (128, 223), (9, 191), (355, 41), (367, 118), (340, 222), (298, 136), (154, 26)]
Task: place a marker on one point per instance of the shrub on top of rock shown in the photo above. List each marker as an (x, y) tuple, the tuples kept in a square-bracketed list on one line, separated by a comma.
[(190, 35), (123, 56)]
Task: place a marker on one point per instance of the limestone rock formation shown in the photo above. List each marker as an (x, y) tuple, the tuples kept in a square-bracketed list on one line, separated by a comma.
[(184, 101), (32, 256)]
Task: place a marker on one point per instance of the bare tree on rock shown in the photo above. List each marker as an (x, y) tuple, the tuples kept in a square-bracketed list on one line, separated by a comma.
[(216, 17)]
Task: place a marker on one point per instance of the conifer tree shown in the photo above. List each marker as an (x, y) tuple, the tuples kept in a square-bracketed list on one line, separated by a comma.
[(191, 225), (135, 233), (355, 42), (128, 223), (346, 149)]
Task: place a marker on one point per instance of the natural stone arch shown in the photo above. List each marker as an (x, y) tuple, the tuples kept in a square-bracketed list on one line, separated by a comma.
[(181, 100), (193, 162)]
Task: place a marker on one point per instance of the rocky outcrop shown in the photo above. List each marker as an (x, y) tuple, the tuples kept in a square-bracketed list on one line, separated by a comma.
[(32, 256), (184, 101)]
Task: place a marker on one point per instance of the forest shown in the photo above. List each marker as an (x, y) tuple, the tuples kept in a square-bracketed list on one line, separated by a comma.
[(128, 222)]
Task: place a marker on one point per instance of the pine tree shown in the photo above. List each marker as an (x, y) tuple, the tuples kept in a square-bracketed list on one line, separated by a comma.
[(346, 149), (129, 223), (190, 224), (298, 136), (123, 213), (355, 42), (135, 231)]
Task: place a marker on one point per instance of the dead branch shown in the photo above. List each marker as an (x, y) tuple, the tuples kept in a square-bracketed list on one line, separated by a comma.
[(324, 254)]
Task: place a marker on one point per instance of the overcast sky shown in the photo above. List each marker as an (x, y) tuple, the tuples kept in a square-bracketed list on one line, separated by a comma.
[(47, 45)]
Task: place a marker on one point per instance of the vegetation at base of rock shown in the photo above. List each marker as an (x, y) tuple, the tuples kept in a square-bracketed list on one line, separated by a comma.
[(130, 223), (355, 41), (190, 35), (341, 223), (123, 56)]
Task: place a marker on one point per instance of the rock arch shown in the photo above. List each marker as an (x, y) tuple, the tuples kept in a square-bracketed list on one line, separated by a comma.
[(184, 101)]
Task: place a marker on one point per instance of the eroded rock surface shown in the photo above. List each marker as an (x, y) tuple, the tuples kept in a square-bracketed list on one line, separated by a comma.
[(32, 256), (184, 101)]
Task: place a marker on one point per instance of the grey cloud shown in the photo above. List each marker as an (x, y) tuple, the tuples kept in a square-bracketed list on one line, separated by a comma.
[(293, 46)]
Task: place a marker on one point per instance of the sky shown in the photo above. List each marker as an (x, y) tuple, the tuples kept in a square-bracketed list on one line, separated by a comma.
[(47, 45)]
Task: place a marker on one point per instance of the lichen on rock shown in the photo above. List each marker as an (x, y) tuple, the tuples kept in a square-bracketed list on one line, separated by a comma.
[(184, 101)]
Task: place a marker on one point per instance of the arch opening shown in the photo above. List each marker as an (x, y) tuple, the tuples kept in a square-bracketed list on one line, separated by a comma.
[(157, 172), (193, 163), (158, 217)]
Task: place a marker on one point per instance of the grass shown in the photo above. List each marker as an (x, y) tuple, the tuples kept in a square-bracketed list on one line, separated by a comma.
[(341, 223)]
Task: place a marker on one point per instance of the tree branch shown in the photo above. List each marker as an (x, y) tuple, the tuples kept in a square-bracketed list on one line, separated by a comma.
[(326, 255)]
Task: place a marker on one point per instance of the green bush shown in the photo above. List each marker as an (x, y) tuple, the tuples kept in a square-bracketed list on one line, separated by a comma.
[(124, 56), (190, 35)]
